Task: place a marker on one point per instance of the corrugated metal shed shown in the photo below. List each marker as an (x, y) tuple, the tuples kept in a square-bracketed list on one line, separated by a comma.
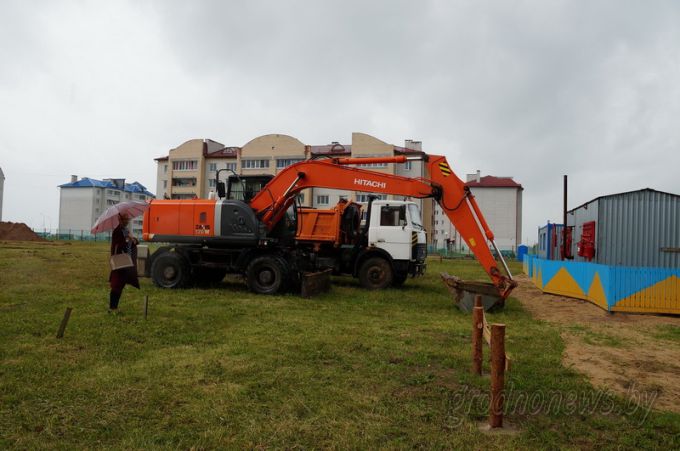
[(637, 228)]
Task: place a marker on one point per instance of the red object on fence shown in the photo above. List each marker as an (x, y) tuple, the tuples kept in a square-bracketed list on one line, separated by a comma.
[(586, 246)]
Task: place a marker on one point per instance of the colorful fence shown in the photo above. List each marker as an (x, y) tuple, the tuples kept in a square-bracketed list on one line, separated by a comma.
[(614, 288)]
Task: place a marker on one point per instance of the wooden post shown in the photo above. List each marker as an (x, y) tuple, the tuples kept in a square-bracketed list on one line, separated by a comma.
[(477, 340), (497, 375), (146, 305), (64, 322)]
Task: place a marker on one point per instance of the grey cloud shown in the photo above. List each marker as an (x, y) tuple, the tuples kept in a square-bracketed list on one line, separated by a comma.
[(533, 89)]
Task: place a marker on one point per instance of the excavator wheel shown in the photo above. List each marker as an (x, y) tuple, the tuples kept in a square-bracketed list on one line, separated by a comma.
[(170, 270), (375, 274), (267, 274)]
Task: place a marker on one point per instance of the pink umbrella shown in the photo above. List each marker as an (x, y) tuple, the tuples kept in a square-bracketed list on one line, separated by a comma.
[(109, 219)]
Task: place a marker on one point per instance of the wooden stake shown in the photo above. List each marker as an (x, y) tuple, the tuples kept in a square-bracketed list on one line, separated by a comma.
[(64, 322), (477, 326), (146, 305), (497, 375)]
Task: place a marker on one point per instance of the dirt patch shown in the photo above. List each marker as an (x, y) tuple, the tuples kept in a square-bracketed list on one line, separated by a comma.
[(17, 231), (619, 352)]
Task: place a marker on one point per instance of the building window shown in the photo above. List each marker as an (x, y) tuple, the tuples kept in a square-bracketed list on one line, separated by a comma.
[(255, 164), (212, 167), (184, 182), (322, 200), (408, 165), (342, 197), (141, 197), (127, 196), (111, 192), (185, 165), (285, 162), (211, 183), (165, 183), (364, 197), (165, 169), (231, 167)]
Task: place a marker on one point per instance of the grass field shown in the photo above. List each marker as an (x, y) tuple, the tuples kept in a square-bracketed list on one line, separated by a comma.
[(221, 367)]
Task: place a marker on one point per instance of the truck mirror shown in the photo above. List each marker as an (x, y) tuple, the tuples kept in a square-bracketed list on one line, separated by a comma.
[(221, 191)]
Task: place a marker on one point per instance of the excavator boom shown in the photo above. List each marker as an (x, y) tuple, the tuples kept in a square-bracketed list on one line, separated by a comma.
[(444, 186)]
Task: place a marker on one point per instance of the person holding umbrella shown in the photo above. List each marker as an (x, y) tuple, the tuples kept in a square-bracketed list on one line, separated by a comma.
[(122, 242), (117, 218)]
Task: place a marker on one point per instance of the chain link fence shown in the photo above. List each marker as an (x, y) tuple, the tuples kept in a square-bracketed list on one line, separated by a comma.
[(74, 235)]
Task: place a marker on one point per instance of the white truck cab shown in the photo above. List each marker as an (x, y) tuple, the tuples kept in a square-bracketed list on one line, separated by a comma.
[(395, 226)]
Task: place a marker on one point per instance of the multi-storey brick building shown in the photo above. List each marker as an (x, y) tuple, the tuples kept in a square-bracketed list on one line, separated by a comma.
[(190, 169), (500, 199)]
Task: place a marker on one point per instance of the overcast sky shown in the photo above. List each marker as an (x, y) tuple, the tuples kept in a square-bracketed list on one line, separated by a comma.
[(529, 89)]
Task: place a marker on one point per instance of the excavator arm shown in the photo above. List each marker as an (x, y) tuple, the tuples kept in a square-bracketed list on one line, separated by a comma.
[(455, 199)]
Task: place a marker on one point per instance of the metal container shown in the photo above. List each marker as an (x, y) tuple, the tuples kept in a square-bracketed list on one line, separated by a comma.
[(638, 228)]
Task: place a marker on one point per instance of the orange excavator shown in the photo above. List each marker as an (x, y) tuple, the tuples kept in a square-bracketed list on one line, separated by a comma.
[(256, 234)]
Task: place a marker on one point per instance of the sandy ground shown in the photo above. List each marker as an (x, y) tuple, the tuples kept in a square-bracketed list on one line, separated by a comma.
[(628, 354)]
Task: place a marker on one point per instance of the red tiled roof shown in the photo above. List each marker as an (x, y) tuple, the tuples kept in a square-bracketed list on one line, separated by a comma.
[(226, 152), (331, 149), (489, 181), (398, 149)]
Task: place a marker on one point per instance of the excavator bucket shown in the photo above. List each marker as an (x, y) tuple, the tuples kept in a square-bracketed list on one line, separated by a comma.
[(464, 293), (314, 283)]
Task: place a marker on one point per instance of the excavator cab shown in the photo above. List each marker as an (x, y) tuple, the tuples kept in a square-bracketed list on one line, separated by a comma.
[(245, 187)]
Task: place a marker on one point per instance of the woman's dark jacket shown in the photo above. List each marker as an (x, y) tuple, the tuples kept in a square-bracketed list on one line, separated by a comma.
[(119, 245)]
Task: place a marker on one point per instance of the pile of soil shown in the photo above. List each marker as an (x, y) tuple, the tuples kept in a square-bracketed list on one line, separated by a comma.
[(17, 231)]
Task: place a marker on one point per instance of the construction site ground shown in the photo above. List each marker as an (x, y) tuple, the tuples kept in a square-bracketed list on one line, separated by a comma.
[(628, 354)]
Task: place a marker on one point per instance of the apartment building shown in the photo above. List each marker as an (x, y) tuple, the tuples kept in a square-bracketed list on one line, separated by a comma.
[(82, 201), (190, 170), (500, 200)]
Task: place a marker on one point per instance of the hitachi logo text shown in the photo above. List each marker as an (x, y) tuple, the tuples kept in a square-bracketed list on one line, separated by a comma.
[(371, 183)]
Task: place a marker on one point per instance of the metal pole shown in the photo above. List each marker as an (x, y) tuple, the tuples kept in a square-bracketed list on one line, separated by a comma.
[(505, 265), (64, 322), (564, 222)]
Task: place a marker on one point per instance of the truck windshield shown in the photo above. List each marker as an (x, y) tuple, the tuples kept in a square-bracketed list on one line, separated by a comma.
[(414, 214)]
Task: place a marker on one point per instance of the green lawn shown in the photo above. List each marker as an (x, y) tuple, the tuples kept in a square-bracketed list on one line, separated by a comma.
[(215, 368)]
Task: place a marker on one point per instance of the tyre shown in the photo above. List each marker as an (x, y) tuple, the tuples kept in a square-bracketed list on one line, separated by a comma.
[(399, 279), (267, 275), (375, 274), (170, 270)]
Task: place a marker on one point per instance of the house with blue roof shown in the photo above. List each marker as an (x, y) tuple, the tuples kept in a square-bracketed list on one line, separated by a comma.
[(82, 201)]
